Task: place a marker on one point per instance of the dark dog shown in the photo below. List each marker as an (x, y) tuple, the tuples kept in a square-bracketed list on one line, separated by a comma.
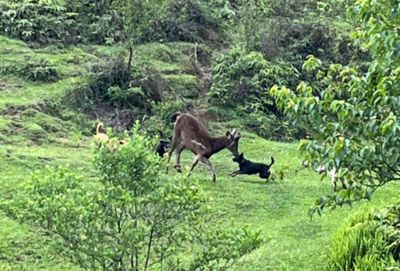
[(248, 167), (162, 147)]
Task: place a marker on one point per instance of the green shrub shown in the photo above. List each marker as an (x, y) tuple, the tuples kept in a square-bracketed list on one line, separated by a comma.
[(256, 119), (110, 72), (110, 81), (97, 21), (240, 77), (125, 97), (37, 21), (188, 20), (32, 69), (369, 241), (39, 70), (132, 217)]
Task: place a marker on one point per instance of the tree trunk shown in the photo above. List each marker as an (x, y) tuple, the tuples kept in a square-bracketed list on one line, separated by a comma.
[(130, 58)]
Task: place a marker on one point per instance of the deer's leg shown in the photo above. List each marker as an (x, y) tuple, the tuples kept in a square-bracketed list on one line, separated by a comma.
[(179, 150), (173, 147), (208, 163), (195, 162)]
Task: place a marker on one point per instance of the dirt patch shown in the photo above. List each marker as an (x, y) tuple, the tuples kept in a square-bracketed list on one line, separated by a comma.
[(7, 86)]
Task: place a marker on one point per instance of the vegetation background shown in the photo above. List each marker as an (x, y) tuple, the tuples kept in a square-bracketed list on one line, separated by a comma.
[(322, 75)]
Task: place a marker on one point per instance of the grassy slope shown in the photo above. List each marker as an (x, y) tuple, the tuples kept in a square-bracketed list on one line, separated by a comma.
[(279, 209)]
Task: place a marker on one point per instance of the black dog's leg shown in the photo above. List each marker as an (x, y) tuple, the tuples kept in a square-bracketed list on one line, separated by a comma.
[(264, 174), (233, 174)]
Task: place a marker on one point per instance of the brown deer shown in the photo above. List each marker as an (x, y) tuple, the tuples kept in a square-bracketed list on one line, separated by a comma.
[(192, 134)]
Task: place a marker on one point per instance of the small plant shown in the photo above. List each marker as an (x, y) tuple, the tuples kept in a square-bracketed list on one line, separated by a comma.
[(125, 97), (40, 70)]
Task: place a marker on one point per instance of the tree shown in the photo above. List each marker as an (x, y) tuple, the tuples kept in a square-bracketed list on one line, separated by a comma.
[(353, 113), (138, 16)]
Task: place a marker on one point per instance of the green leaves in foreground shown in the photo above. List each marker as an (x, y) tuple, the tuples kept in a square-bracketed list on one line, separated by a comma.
[(132, 217), (353, 114)]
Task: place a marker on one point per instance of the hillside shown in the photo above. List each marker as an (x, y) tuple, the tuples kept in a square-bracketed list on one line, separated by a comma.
[(291, 76), (37, 131)]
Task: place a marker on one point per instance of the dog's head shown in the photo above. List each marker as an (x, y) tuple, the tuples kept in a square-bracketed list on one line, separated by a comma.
[(164, 143), (239, 158)]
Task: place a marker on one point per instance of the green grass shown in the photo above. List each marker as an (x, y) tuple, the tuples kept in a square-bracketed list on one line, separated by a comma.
[(31, 139), (29, 93), (277, 208), (26, 248), (23, 247)]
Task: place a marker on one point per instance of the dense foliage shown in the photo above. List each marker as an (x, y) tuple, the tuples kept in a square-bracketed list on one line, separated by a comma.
[(240, 80), (240, 77), (38, 21), (109, 22), (369, 241), (352, 113)]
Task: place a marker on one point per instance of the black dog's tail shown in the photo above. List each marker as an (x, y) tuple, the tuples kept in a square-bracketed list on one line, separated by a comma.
[(272, 161), (174, 116)]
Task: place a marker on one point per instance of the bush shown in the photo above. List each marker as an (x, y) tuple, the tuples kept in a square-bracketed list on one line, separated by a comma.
[(191, 21), (39, 70), (37, 21), (110, 72), (32, 69), (240, 78), (111, 82), (159, 122), (125, 97), (97, 21), (133, 217), (267, 125), (369, 241)]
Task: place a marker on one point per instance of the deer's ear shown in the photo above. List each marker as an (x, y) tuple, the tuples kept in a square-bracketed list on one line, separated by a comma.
[(238, 135)]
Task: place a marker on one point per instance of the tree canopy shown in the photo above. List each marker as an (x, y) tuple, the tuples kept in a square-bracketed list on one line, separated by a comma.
[(352, 112)]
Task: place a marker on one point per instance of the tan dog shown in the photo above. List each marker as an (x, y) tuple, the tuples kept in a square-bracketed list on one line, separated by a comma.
[(100, 138)]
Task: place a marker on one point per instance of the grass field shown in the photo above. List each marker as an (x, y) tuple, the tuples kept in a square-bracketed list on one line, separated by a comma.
[(292, 241), (279, 209)]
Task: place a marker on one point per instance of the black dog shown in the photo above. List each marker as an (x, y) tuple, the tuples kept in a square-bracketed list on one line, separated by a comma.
[(162, 147), (248, 167)]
